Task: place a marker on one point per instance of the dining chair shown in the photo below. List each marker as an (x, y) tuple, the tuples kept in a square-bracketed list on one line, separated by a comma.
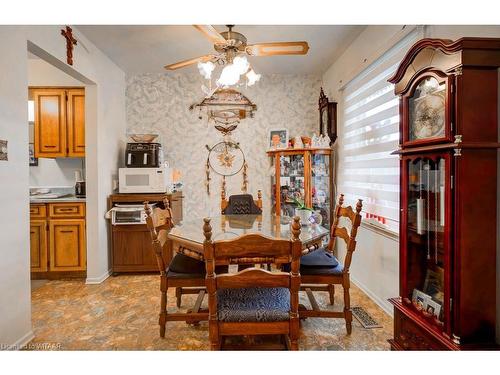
[(241, 204), (321, 271), (184, 273), (253, 301)]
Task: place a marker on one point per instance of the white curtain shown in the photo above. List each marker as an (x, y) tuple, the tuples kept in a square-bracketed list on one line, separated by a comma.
[(368, 133)]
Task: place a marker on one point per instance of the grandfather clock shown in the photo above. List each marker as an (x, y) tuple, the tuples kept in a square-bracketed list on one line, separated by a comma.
[(448, 195)]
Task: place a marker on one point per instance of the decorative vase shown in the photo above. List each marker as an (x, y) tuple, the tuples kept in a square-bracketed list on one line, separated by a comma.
[(304, 215)]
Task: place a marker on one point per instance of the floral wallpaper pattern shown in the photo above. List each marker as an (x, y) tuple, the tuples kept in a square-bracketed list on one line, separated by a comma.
[(159, 103)]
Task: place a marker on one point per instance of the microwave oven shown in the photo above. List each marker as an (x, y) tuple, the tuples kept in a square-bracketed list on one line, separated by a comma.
[(144, 180), (131, 214)]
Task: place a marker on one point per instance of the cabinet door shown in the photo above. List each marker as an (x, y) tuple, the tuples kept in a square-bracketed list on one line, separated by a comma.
[(67, 245), (38, 245), (76, 123), (50, 123)]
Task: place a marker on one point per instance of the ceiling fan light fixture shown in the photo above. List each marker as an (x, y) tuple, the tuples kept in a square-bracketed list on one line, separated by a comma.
[(230, 76), (252, 77), (241, 64), (206, 69)]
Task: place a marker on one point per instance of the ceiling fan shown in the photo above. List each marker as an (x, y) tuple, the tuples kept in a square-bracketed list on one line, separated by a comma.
[(229, 44)]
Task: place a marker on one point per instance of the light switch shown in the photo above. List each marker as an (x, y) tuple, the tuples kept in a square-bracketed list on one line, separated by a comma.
[(3, 149)]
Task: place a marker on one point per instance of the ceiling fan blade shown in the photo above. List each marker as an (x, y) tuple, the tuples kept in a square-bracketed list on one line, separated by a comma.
[(277, 48), (182, 64), (212, 34)]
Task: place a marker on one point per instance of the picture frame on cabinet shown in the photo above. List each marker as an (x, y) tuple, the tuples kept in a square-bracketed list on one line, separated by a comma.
[(433, 284), (33, 161), (278, 138)]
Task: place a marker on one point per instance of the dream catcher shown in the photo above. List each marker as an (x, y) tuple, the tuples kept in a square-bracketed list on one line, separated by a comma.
[(227, 159)]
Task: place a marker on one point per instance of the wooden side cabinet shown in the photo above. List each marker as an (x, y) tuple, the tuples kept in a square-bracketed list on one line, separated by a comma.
[(59, 122), (58, 240), (131, 247)]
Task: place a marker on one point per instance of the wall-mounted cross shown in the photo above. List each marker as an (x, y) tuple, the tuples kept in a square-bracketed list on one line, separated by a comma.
[(70, 41)]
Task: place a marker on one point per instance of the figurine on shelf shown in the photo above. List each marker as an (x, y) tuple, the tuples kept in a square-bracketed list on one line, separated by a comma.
[(297, 142)]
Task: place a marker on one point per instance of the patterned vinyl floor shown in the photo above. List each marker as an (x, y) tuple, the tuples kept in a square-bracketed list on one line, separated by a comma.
[(122, 314)]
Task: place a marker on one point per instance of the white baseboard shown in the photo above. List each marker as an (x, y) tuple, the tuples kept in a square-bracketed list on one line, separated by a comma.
[(19, 344), (98, 280), (384, 305)]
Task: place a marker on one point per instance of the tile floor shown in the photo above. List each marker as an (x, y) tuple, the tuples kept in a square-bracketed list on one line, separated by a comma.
[(122, 314)]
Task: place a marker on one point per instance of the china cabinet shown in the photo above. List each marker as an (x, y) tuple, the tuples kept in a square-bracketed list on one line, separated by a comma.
[(302, 176), (448, 195)]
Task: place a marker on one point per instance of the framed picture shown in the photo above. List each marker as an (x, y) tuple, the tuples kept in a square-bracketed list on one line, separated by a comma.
[(278, 138), (420, 298), (33, 160), (433, 285), (327, 117), (432, 307)]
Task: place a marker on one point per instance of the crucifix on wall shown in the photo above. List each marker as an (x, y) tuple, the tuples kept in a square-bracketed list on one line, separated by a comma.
[(70, 41)]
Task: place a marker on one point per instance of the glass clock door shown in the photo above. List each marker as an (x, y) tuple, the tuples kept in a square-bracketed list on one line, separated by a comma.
[(427, 222), (427, 109)]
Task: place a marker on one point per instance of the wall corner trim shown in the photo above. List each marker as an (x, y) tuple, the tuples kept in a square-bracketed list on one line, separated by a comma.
[(19, 344), (98, 280), (384, 305)]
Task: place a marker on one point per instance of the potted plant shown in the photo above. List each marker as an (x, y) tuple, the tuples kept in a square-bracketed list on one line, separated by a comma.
[(302, 211)]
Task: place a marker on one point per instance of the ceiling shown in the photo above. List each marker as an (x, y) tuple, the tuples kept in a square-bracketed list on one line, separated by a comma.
[(146, 49)]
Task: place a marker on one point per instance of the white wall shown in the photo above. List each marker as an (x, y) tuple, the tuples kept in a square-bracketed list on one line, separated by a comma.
[(375, 266), (105, 129), (159, 103)]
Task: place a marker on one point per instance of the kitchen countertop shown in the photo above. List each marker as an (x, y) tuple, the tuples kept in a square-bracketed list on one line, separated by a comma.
[(70, 198)]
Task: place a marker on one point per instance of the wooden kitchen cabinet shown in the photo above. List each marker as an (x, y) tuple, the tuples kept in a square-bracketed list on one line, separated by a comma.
[(50, 123), (67, 245), (38, 245), (59, 122), (58, 240), (76, 123)]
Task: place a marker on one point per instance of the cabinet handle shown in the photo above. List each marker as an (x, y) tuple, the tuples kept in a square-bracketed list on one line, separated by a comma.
[(67, 231), (66, 209), (32, 232), (49, 146)]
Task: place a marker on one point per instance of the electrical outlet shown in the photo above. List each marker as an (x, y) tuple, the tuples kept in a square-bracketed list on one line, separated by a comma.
[(3, 150)]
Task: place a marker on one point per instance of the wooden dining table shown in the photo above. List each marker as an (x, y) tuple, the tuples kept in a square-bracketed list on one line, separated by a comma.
[(187, 237)]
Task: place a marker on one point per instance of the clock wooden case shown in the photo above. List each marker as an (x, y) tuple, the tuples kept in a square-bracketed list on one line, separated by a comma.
[(327, 117), (448, 195)]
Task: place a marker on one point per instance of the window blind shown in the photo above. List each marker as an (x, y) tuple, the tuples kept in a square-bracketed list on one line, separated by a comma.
[(368, 133)]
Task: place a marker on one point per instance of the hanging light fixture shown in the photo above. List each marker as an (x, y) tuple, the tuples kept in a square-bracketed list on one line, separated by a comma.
[(233, 68)]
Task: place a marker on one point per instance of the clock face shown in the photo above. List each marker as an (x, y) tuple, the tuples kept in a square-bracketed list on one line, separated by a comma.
[(427, 110), (324, 121)]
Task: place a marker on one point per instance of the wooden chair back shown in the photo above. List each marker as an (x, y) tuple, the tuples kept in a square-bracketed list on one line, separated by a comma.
[(159, 223), (225, 202), (349, 237)]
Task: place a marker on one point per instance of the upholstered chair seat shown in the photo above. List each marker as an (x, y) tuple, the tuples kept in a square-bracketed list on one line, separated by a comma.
[(253, 304), (184, 267)]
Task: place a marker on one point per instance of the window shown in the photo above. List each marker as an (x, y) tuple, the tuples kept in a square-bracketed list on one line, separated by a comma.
[(368, 133)]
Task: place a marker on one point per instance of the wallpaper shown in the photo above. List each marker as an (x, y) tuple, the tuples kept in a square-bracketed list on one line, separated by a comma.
[(159, 103)]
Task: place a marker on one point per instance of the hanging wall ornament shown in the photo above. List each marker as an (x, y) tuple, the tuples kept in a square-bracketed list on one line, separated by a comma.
[(225, 108), (226, 159), (244, 186)]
